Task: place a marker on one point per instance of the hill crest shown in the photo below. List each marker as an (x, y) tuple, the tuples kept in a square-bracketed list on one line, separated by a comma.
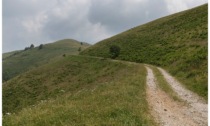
[(17, 62)]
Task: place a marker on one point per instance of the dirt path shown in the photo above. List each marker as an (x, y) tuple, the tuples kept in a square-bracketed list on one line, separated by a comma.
[(168, 112), (196, 104)]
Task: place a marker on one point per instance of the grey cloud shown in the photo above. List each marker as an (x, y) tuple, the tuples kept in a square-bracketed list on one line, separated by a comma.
[(23, 8), (65, 21), (119, 15), (41, 21), (15, 37)]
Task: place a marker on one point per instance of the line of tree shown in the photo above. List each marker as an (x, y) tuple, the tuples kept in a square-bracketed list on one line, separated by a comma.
[(31, 47)]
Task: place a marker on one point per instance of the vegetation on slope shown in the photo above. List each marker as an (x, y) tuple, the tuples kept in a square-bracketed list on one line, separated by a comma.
[(8, 54), (18, 62), (177, 42), (78, 90)]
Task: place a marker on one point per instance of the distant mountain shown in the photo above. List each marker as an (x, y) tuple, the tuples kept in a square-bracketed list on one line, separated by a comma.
[(177, 42), (17, 62)]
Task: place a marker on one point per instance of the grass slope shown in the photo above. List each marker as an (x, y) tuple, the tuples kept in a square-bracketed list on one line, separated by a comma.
[(78, 90), (8, 54), (177, 42), (18, 62)]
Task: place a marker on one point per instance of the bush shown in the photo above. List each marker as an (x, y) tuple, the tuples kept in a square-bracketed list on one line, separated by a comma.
[(32, 46), (114, 51), (41, 46), (26, 48)]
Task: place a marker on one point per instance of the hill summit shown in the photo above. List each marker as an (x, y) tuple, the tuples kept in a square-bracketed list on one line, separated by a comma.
[(17, 62)]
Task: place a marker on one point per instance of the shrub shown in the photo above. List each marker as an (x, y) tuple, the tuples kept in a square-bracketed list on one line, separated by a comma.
[(26, 48), (41, 46), (114, 51), (32, 46)]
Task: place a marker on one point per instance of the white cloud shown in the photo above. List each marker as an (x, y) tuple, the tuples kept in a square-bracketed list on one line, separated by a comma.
[(98, 32), (180, 5), (41, 21), (70, 8), (35, 24), (176, 5)]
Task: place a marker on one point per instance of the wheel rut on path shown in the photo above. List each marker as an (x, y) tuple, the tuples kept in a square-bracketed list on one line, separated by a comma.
[(168, 112)]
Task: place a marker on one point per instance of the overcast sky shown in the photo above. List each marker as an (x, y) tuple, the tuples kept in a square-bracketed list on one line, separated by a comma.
[(43, 21)]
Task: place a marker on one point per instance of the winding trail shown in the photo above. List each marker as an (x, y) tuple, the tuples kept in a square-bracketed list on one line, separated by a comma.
[(168, 112)]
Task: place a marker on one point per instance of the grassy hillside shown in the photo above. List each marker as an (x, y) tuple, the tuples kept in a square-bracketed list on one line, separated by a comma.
[(177, 42), (8, 54), (18, 62), (78, 90)]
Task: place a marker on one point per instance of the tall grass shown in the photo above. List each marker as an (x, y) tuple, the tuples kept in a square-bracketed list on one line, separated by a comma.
[(87, 91)]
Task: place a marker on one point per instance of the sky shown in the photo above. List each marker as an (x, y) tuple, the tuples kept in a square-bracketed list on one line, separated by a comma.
[(27, 22)]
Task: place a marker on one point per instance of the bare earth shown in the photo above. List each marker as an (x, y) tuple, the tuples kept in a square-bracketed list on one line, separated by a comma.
[(168, 112)]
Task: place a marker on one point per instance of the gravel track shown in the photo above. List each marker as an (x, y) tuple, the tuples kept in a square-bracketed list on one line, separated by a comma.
[(168, 112)]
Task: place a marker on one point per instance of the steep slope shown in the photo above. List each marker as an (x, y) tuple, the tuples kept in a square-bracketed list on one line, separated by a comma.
[(77, 90), (18, 62), (177, 42)]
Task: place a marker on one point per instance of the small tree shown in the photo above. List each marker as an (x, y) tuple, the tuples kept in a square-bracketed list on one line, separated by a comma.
[(26, 48), (32, 46), (40, 46), (81, 43), (114, 51)]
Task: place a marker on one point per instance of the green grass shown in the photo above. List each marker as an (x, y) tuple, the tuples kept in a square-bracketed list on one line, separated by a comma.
[(177, 43), (17, 62), (78, 90), (9, 54), (161, 82)]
